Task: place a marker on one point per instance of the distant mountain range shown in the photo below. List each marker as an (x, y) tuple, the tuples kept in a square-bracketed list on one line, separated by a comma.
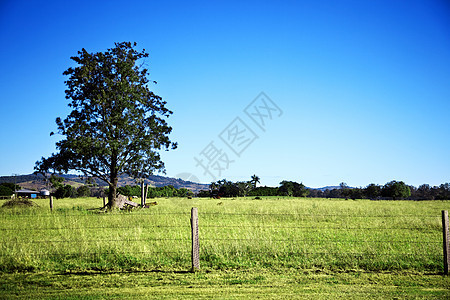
[(36, 182), (330, 187)]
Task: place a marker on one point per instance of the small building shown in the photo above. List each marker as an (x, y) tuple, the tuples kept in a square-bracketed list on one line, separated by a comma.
[(27, 193)]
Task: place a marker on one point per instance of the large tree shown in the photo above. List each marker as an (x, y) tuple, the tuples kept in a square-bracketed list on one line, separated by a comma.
[(372, 191), (117, 124), (292, 188), (396, 190)]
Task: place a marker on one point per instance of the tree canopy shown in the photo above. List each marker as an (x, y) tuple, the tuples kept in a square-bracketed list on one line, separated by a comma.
[(292, 188), (396, 190), (8, 188), (117, 124)]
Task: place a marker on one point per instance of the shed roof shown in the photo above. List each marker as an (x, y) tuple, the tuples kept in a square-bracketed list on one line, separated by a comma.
[(25, 191)]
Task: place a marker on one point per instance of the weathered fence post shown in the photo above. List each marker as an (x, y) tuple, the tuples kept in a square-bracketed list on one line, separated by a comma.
[(446, 238), (51, 202), (104, 201), (195, 240), (146, 194), (142, 194)]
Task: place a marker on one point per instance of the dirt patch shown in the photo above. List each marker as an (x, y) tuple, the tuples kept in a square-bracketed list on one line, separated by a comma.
[(19, 203)]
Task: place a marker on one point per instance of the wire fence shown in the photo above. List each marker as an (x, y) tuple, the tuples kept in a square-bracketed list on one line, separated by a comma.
[(145, 240)]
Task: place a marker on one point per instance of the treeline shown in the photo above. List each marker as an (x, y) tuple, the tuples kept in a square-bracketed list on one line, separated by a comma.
[(393, 190), (154, 192), (225, 188), (61, 190), (67, 191)]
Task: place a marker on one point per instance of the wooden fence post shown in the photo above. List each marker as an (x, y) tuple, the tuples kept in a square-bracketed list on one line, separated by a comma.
[(142, 194), (51, 202), (146, 194), (446, 238), (195, 240), (104, 201)]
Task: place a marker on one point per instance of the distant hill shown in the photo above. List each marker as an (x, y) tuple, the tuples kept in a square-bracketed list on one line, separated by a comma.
[(36, 182), (330, 187)]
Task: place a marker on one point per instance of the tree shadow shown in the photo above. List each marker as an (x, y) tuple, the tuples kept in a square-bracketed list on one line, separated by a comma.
[(100, 272)]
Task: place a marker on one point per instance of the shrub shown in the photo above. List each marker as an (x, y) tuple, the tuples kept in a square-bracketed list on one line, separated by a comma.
[(65, 191)]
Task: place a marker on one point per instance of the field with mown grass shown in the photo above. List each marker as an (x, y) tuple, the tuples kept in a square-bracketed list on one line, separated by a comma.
[(249, 248)]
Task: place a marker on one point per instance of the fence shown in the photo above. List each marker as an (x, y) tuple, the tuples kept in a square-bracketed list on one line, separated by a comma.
[(374, 242), (81, 240)]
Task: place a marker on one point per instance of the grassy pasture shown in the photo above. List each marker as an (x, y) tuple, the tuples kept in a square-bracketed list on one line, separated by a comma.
[(274, 242)]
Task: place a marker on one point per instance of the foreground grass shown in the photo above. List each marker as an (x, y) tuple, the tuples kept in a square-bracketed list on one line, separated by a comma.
[(230, 284)]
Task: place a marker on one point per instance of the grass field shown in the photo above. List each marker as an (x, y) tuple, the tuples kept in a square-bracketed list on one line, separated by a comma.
[(269, 248)]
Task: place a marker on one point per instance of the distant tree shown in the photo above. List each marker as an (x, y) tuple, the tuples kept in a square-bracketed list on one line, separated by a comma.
[(372, 191), (83, 191), (65, 191), (184, 192), (56, 181), (244, 187), (169, 191), (316, 193), (153, 192), (343, 185), (228, 188), (117, 125), (129, 190), (286, 188), (332, 193), (292, 188), (423, 192), (8, 188), (213, 186), (345, 190), (396, 190), (413, 192), (5, 191), (443, 192), (255, 181), (90, 181), (203, 194), (264, 191), (356, 193), (224, 188)]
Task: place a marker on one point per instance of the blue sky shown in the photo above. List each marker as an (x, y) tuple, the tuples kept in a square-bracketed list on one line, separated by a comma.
[(363, 87)]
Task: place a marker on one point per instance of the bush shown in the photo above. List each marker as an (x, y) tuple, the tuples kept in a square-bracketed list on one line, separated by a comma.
[(65, 191), (83, 191), (203, 194), (5, 191), (129, 190)]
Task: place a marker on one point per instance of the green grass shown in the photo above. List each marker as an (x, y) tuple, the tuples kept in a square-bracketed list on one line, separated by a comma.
[(237, 233), (248, 248), (230, 284)]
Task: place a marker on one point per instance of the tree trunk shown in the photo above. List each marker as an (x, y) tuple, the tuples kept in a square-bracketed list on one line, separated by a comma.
[(112, 195)]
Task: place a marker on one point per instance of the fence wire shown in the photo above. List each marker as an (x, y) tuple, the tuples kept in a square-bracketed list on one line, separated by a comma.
[(209, 237)]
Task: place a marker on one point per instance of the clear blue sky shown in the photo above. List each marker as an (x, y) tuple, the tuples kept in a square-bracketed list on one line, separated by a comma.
[(363, 86)]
